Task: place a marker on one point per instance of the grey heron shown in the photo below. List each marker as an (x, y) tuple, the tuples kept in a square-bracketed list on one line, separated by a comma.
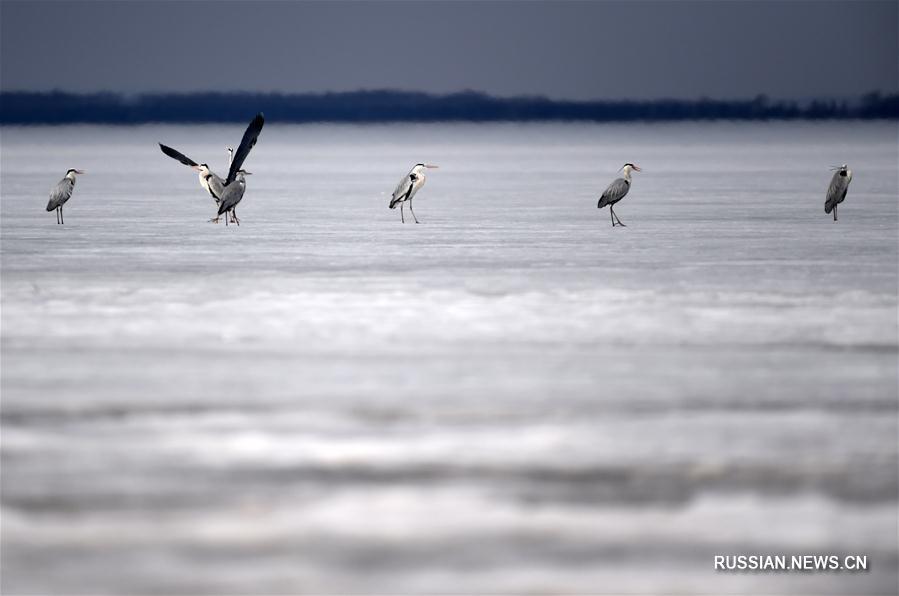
[(209, 180), (232, 195), (836, 192), (61, 193), (617, 191), (408, 186)]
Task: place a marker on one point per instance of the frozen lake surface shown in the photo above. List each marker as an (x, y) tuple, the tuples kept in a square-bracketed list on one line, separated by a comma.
[(510, 397)]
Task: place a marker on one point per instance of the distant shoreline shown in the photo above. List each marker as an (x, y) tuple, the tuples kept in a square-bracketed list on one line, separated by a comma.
[(20, 107)]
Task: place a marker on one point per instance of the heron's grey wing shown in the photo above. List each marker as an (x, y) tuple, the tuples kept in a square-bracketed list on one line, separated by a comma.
[(231, 196), (836, 192), (246, 143), (60, 193), (216, 186), (614, 193), (402, 189), (178, 155)]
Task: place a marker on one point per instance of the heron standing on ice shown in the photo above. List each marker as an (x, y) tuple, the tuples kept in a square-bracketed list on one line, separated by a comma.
[(617, 191), (408, 186), (231, 196), (209, 180), (836, 192), (61, 193)]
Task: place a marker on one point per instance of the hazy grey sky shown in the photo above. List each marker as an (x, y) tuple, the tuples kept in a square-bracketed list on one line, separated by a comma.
[(575, 50)]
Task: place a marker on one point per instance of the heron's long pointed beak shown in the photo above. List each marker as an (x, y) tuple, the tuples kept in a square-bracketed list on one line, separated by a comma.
[(432, 166), (248, 173), (638, 168), (80, 172), (197, 168)]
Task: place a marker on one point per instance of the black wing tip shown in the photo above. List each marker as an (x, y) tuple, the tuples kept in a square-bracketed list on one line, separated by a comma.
[(250, 136)]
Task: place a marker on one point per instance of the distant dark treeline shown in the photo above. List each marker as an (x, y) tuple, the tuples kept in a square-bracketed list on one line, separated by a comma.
[(399, 106)]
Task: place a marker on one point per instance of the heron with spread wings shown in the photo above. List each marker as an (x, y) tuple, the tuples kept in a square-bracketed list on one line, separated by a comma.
[(212, 182)]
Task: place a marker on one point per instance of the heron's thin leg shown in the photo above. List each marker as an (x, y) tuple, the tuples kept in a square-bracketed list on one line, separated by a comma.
[(612, 217), (835, 212), (61, 216), (620, 223), (412, 212), (226, 218), (57, 216), (402, 217)]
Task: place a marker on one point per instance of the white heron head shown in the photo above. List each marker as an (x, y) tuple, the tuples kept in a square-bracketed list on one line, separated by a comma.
[(73, 171), (419, 169), (839, 168), (628, 167)]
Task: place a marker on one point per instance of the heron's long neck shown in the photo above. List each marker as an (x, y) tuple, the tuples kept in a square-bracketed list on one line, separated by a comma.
[(627, 173), (71, 176)]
